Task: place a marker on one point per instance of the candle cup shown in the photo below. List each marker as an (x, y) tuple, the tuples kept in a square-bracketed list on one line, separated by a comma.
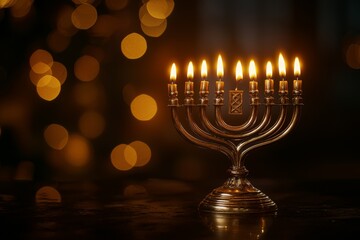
[(283, 87), (172, 90), (269, 86), (297, 86), (189, 88), (204, 87), (219, 87), (253, 86)]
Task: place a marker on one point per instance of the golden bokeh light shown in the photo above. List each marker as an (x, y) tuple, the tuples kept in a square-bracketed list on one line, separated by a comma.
[(56, 136), (59, 71), (84, 16), (91, 124), (352, 55), (21, 8), (133, 46), (105, 26), (77, 151), (57, 41), (155, 31), (41, 61), (116, 5), (47, 194), (143, 153), (48, 87), (134, 190), (143, 107), (148, 20), (86, 68), (35, 77), (160, 9), (123, 157), (7, 3)]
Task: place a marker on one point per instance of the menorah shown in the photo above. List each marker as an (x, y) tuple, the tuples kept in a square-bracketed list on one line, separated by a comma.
[(237, 194)]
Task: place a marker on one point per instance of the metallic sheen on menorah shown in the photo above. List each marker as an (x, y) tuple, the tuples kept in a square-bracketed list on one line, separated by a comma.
[(237, 195)]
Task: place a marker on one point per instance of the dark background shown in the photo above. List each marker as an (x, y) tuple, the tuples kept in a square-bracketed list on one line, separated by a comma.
[(323, 34)]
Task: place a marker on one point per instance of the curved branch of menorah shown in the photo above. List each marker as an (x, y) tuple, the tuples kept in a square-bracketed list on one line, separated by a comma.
[(248, 123), (273, 137), (207, 123), (179, 127), (197, 130)]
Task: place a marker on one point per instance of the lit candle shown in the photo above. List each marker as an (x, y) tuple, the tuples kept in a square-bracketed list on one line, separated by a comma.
[(238, 74), (172, 87), (283, 84), (297, 84), (204, 85), (189, 85), (269, 83), (253, 84), (220, 74)]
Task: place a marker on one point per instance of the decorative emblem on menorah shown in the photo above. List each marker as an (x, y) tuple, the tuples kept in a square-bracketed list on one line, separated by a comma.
[(237, 194)]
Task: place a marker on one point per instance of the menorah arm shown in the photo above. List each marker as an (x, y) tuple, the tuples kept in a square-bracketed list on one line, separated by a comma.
[(182, 131), (199, 131), (277, 136), (250, 121), (266, 119)]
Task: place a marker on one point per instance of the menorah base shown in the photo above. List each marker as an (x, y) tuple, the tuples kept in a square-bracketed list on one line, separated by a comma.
[(237, 196)]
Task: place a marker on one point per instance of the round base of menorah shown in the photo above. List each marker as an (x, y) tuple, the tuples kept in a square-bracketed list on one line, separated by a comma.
[(241, 199)]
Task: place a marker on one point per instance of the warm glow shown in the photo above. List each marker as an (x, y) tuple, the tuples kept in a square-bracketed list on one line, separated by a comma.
[(220, 67), (282, 69), (59, 71), (148, 20), (56, 136), (91, 124), (48, 87), (269, 70), (86, 68), (143, 153), (154, 31), (239, 71), (47, 194), (116, 4), (297, 71), (134, 191), (41, 61), (133, 46), (143, 107), (173, 72), (123, 157), (252, 70), (203, 69), (84, 16), (77, 151), (160, 9), (190, 71)]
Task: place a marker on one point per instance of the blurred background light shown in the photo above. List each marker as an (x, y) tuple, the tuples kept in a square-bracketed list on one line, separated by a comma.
[(123, 157), (116, 5), (48, 87), (41, 61), (143, 107), (86, 68), (47, 194), (77, 151), (91, 124), (84, 16), (143, 153), (133, 46), (56, 136)]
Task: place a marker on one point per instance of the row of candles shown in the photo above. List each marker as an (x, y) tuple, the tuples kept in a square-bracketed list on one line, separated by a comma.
[(253, 84)]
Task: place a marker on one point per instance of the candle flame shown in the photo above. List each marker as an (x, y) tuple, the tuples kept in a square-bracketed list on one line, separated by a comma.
[(203, 69), (220, 67), (297, 67), (282, 69), (173, 72), (239, 71), (269, 70), (190, 71), (252, 70)]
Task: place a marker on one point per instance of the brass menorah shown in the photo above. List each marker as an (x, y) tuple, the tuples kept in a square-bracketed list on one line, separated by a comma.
[(237, 194)]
